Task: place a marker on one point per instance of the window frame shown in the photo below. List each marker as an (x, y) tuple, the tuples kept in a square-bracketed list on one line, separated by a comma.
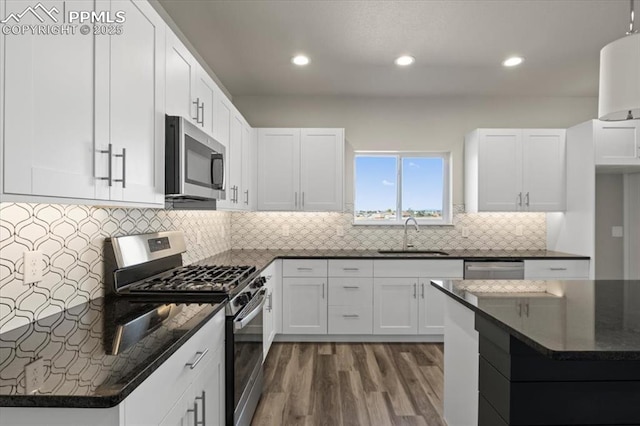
[(447, 199)]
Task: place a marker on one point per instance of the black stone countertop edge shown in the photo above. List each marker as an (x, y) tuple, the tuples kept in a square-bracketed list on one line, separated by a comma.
[(549, 353), (106, 401)]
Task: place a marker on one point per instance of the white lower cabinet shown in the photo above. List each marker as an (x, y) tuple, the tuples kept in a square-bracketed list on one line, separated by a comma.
[(430, 308), (395, 306), (565, 269), (271, 308), (304, 305)]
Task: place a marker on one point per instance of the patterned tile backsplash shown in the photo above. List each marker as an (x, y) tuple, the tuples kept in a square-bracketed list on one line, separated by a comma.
[(319, 231), (71, 238)]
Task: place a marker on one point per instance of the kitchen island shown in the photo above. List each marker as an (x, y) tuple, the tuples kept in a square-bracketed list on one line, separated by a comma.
[(551, 352)]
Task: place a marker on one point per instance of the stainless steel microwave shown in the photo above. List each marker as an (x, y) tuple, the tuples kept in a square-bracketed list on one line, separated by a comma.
[(194, 163)]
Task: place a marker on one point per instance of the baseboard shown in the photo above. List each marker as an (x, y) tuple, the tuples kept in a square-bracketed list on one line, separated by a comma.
[(341, 338)]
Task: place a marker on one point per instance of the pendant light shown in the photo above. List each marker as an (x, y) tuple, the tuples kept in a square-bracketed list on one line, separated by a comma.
[(619, 97)]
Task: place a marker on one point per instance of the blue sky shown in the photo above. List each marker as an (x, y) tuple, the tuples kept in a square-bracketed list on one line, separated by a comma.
[(376, 182)]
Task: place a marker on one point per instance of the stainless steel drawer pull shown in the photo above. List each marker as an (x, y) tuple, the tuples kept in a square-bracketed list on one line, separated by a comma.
[(305, 269), (109, 152), (200, 355), (350, 286), (351, 316), (124, 167), (526, 198), (204, 409), (351, 269), (422, 290), (557, 269), (520, 199)]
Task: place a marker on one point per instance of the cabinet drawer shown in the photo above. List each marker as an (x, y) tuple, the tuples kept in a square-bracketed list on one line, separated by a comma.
[(418, 268), (165, 385), (541, 269), (304, 268), (350, 319), (350, 268), (350, 291)]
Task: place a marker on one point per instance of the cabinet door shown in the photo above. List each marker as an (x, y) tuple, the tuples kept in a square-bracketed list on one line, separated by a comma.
[(431, 308), (321, 169), (545, 315), (136, 104), (222, 133), (395, 305), (278, 169), (48, 115), (206, 91), (247, 200), (304, 305), (179, 415), (209, 392), (180, 69), (618, 142), (234, 161), (544, 170), (268, 318), (500, 170)]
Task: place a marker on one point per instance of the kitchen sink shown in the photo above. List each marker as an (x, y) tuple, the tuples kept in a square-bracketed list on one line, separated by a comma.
[(415, 252)]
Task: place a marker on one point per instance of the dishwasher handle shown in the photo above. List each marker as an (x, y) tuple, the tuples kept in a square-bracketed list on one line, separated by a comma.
[(494, 270)]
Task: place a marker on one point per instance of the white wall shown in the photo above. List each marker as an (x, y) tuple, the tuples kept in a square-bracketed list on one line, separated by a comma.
[(421, 124), (609, 213)]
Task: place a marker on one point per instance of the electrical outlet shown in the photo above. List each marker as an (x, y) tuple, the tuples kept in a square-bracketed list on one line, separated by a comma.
[(285, 230), (339, 231), (519, 231), (32, 266), (34, 376), (465, 232), (617, 231)]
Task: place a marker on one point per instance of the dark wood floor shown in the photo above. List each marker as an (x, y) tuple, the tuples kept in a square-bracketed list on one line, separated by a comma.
[(355, 384)]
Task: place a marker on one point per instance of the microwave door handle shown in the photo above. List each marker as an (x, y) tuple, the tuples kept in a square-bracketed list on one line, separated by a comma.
[(217, 157)]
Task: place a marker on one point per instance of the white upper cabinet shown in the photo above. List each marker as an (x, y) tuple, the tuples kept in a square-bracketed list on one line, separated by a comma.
[(300, 169), (205, 102), (249, 167), (617, 142), (84, 115), (515, 170), (181, 69), (136, 104), (278, 169), (48, 116)]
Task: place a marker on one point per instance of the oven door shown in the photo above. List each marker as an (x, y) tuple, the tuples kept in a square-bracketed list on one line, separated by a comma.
[(247, 360)]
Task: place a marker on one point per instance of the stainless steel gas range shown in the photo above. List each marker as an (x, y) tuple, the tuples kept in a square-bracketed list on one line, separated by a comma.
[(149, 267)]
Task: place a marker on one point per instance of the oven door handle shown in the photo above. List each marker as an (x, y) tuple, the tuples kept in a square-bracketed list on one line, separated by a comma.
[(240, 323)]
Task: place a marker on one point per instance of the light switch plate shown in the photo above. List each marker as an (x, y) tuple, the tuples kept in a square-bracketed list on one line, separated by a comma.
[(617, 231), (340, 231), (34, 376), (519, 231), (465, 232), (32, 267)]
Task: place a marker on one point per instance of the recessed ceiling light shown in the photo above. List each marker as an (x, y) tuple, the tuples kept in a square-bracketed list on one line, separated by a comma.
[(300, 60), (405, 60), (513, 61)]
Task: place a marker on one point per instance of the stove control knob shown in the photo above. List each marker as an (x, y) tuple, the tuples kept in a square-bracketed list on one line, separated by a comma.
[(258, 282), (242, 299)]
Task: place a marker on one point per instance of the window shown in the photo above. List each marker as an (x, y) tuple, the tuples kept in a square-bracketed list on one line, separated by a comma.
[(390, 187)]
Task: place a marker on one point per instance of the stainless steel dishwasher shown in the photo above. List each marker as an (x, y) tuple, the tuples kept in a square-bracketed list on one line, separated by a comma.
[(494, 270)]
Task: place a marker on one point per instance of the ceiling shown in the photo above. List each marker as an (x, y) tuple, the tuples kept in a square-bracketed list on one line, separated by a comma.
[(458, 44)]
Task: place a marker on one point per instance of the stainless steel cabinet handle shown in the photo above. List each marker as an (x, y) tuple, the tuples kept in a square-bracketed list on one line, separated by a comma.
[(201, 108), (109, 152), (351, 316), (520, 199), (304, 269), (350, 286), (323, 290), (557, 269), (303, 199), (201, 355), (204, 409), (246, 197), (526, 199), (422, 290), (519, 304), (295, 200), (351, 269), (526, 309), (270, 307), (194, 410), (415, 290), (124, 167)]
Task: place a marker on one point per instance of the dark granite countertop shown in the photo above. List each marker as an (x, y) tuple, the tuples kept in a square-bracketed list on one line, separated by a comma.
[(567, 320), (261, 258), (85, 365)]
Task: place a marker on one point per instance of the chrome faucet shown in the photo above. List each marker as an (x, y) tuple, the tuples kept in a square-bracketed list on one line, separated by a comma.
[(405, 244)]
